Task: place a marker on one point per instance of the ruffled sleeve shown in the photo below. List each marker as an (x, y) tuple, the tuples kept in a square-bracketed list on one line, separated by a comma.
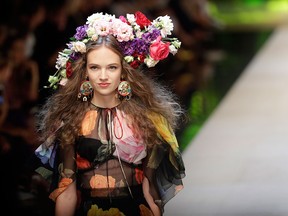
[(58, 165), (164, 166), (64, 170)]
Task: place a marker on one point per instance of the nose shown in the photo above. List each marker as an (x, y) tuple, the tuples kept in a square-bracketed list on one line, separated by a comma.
[(103, 74)]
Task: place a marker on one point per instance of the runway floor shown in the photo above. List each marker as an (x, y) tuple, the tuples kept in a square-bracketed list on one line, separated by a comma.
[(237, 165)]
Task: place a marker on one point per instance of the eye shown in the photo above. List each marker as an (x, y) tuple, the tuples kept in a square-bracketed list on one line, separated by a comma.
[(93, 67), (112, 67)]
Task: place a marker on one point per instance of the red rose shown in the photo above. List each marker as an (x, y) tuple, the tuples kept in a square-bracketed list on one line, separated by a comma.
[(139, 57), (159, 50), (142, 20), (68, 69), (134, 64)]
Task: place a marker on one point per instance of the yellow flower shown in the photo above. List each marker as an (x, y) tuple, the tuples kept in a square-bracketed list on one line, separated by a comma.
[(114, 212), (95, 211)]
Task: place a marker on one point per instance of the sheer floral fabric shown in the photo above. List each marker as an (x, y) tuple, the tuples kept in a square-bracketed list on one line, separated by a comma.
[(108, 163)]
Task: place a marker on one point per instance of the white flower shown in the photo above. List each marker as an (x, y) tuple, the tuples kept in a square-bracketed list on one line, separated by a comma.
[(139, 34), (78, 46), (97, 19), (90, 31), (128, 58), (93, 18), (136, 27), (165, 24), (61, 60), (150, 62), (172, 49), (94, 37), (176, 43), (131, 19), (108, 17)]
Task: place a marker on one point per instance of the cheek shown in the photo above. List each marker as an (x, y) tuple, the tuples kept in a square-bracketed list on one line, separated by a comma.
[(116, 82), (93, 80), (91, 76), (117, 78)]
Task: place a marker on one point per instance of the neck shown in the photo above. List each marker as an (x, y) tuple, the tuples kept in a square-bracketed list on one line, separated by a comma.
[(105, 102)]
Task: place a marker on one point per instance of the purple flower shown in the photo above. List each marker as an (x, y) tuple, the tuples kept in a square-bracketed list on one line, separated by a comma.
[(137, 46), (74, 56), (141, 46), (151, 35), (126, 48), (81, 32)]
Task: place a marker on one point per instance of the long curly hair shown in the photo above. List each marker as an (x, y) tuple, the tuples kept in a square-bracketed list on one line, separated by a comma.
[(148, 96)]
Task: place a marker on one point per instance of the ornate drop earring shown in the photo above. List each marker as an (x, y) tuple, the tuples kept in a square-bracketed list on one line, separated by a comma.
[(124, 90), (86, 90)]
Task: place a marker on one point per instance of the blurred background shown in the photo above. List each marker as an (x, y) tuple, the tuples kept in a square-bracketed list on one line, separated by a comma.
[(219, 38)]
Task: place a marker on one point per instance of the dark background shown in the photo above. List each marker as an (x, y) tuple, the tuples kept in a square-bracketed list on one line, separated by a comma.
[(218, 42)]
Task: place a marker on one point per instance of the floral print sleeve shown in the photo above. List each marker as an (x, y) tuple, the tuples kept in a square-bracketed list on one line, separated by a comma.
[(164, 165), (66, 169), (58, 164)]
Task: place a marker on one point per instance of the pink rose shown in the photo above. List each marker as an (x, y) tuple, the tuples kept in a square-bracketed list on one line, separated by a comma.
[(159, 50), (123, 19)]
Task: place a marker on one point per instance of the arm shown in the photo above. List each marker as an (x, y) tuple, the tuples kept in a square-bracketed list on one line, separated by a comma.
[(163, 166), (66, 201), (154, 208), (65, 194)]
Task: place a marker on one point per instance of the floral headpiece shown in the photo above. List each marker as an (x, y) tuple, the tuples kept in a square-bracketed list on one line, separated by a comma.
[(141, 41)]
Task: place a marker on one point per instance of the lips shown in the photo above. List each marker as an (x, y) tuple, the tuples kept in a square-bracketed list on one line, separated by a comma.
[(104, 85)]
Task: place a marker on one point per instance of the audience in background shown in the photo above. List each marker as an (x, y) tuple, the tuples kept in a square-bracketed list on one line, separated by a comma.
[(32, 32)]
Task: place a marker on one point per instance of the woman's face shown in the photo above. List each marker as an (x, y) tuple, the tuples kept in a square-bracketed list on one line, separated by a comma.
[(104, 72)]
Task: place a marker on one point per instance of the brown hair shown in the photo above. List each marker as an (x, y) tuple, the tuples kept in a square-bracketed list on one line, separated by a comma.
[(148, 96)]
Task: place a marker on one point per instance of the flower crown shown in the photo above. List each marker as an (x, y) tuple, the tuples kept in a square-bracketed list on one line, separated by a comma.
[(141, 41)]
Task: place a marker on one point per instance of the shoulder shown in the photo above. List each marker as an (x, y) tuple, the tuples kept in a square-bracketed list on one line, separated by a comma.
[(164, 129), (160, 123), (157, 119)]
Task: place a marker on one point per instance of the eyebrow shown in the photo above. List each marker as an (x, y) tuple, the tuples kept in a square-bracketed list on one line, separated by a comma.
[(107, 65)]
